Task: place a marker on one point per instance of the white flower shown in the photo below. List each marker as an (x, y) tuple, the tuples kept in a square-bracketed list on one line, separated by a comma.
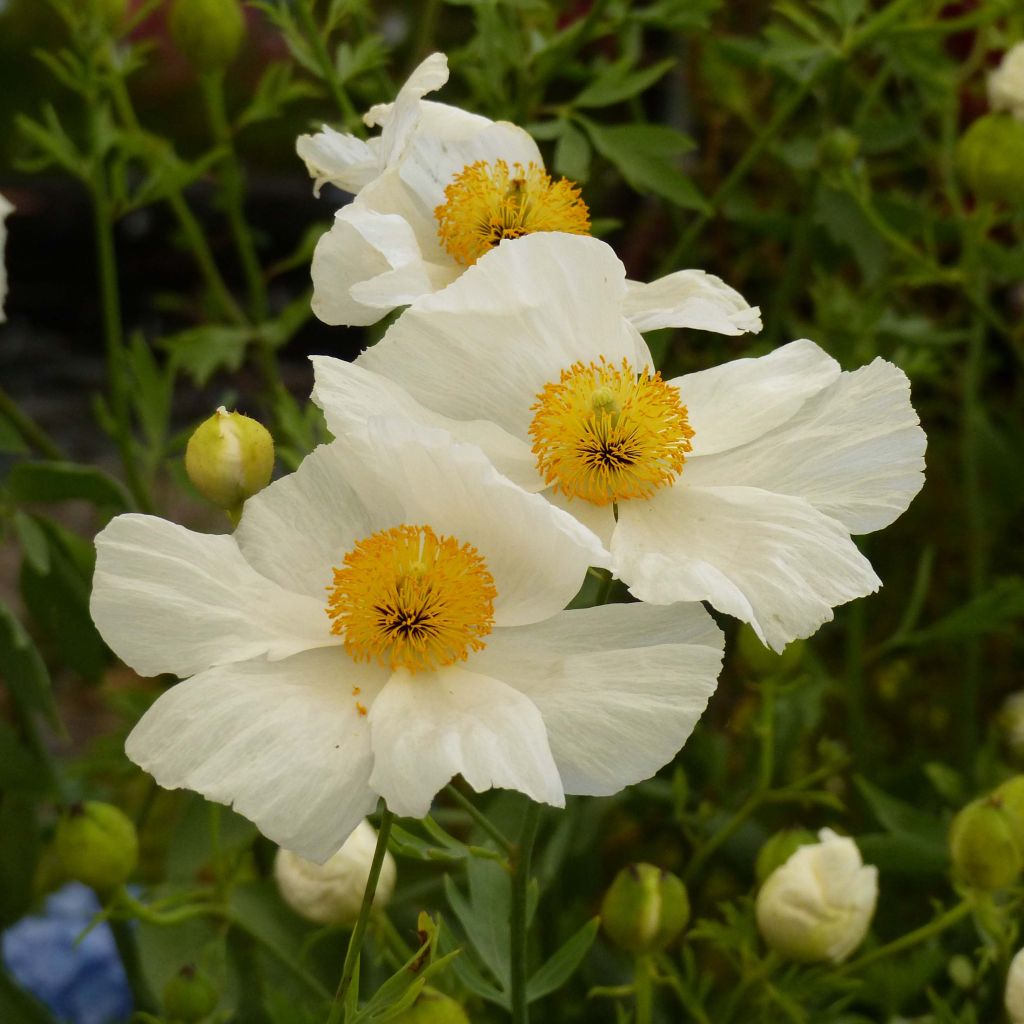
[(1006, 83), (1014, 998), (332, 892), (739, 485), (819, 904), (432, 195), (382, 619), (5, 209)]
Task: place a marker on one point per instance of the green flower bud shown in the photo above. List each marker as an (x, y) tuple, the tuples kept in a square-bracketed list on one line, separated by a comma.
[(838, 148), (989, 156), (763, 660), (645, 908), (97, 845), (229, 458), (190, 996), (779, 848), (432, 1007), (983, 845), (961, 971), (1011, 795), (208, 32)]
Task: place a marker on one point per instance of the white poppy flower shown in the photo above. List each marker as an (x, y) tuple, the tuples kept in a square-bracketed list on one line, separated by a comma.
[(5, 209), (1006, 83), (819, 904), (739, 485), (382, 619), (1013, 997), (437, 189)]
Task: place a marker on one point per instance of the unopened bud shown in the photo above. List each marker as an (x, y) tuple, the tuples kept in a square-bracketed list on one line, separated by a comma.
[(97, 845), (644, 909), (1006, 83), (839, 148), (190, 996), (432, 1007), (332, 892), (1014, 998), (1011, 795), (208, 32), (763, 661), (779, 848), (989, 156), (229, 458), (818, 905), (984, 847), (961, 971)]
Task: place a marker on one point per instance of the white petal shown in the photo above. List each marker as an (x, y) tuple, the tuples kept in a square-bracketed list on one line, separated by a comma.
[(170, 600), (599, 519), (769, 559), (537, 554), (855, 451), (690, 298), (429, 727), (620, 687), (736, 402), (300, 527), (283, 742), (350, 395), (342, 160), (5, 209), (485, 346)]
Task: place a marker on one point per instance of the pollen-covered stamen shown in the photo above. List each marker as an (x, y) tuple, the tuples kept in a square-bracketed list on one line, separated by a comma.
[(607, 433), (487, 202), (407, 598)]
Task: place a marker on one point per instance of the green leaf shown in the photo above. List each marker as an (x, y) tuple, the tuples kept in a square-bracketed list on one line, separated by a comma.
[(19, 852), (484, 915), (899, 817), (572, 154), (557, 970), (997, 610), (618, 83), (20, 771), (24, 671), (66, 481), (202, 351), (32, 539), (647, 157)]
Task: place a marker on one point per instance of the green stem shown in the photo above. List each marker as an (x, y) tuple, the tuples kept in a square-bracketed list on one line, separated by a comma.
[(355, 942), (480, 818), (643, 989), (328, 72), (522, 856), (129, 954), (30, 431), (940, 924)]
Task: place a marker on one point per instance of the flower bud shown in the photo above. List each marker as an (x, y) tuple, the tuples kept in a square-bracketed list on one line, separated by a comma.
[(838, 149), (208, 32), (645, 908), (819, 904), (1006, 83), (983, 845), (763, 660), (332, 892), (97, 845), (1014, 997), (190, 996), (229, 458), (779, 848), (432, 1007), (1011, 795), (989, 156)]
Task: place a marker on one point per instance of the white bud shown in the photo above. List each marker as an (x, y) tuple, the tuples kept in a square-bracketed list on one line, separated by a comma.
[(1006, 83), (332, 892), (1014, 997), (819, 903)]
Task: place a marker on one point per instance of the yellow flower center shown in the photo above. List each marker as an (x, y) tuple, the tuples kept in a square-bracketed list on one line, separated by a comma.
[(487, 202), (606, 433), (410, 599)]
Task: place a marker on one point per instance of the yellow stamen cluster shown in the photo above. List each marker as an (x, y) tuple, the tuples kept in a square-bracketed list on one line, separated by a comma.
[(487, 202), (410, 599), (605, 433)]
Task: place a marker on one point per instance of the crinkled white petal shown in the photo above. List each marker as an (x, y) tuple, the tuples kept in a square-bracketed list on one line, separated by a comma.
[(736, 402), (599, 519), (620, 687), (485, 346), (343, 160), (769, 559), (855, 451), (537, 554), (690, 298), (170, 600), (350, 395), (427, 728), (300, 527), (5, 209), (283, 742), (399, 120)]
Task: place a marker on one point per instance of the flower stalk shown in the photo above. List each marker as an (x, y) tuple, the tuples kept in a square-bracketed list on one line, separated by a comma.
[(521, 860)]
